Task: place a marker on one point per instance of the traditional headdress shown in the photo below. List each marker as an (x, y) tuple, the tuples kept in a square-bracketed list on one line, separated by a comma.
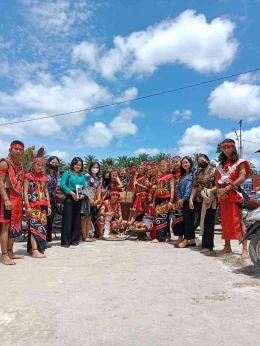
[(228, 142), (37, 156)]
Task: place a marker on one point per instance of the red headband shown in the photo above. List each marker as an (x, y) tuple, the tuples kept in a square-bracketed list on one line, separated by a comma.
[(165, 162), (155, 164), (38, 160), (176, 158), (17, 146), (115, 193), (228, 144), (114, 173)]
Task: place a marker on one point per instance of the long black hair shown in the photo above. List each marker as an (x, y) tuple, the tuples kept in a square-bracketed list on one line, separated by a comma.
[(183, 171), (99, 168), (52, 158), (74, 161), (106, 181), (234, 157)]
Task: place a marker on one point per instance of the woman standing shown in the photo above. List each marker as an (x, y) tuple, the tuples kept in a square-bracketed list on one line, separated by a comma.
[(203, 190), (52, 176), (93, 183), (178, 219), (164, 197), (37, 207), (71, 219), (184, 192), (231, 173)]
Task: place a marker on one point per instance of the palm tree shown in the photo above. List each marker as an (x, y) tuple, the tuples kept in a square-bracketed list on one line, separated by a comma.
[(143, 157), (252, 168), (160, 157), (87, 161), (122, 161)]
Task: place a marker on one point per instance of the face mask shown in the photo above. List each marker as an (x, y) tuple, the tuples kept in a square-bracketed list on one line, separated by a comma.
[(203, 164), (54, 167), (94, 170)]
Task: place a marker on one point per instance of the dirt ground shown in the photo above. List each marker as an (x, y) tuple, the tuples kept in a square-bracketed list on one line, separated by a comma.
[(129, 293)]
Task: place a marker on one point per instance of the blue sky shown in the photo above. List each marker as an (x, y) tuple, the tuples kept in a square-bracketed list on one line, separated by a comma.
[(62, 55)]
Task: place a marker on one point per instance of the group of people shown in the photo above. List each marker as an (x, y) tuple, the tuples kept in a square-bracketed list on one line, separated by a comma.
[(165, 197)]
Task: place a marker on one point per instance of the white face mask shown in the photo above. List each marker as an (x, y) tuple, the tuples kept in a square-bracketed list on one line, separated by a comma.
[(94, 170)]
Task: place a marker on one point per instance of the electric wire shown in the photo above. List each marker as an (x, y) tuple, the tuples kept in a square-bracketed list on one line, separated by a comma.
[(132, 100)]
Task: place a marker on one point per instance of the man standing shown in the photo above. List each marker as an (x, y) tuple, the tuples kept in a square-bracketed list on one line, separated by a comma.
[(11, 203)]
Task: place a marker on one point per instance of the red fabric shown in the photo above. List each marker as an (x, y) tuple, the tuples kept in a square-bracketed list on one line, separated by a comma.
[(36, 177), (176, 176), (230, 220), (163, 186), (15, 174)]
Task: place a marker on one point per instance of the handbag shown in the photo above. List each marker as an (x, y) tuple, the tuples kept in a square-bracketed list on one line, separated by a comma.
[(245, 195), (60, 195)]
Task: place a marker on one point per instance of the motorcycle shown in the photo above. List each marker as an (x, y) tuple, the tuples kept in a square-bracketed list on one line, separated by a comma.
[(253, 234)]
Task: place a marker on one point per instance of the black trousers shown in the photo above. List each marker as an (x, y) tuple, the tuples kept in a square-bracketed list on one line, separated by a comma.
[(209, 226), (188, 220), (71, 222), (50, 221)]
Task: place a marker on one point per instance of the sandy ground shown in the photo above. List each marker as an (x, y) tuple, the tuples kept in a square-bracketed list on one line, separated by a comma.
[(129, 293)]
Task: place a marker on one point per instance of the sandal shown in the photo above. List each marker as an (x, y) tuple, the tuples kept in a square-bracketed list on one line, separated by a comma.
[(7, 262)]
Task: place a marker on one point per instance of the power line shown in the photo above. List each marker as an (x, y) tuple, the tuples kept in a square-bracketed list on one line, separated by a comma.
[(135, 99), (250, 141)]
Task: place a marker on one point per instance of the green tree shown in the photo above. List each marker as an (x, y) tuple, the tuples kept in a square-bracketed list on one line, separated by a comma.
[(87, 162), (253, 169), (63, 166), (219, 151), (160, 157), (27, 158)]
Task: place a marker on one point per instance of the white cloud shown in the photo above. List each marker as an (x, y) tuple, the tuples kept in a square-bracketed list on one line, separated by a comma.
[(149, 151), (122, 125), (4, 148), (87, 52), (63, 155), (188, 39), (236, 100), (5, 44), (129, 94), (58, 16), (181, 115), (75, 91), (197, 139), (97, 136), (100, 135)]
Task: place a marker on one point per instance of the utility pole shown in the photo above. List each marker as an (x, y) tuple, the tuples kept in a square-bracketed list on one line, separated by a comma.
[(240, 139)]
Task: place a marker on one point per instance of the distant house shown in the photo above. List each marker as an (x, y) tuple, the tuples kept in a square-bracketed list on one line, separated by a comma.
[(248, 185)]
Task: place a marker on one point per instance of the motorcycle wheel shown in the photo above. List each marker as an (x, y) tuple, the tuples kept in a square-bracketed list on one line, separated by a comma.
[(254, 249)]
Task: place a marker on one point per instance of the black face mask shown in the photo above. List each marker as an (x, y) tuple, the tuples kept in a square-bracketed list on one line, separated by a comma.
[(203, 164), (54, 167)]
